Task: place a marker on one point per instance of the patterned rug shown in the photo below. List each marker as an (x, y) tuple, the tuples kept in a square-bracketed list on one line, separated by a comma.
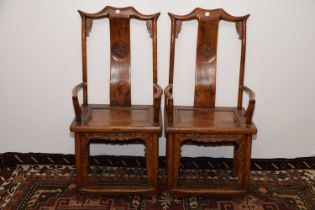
[(46, 182)]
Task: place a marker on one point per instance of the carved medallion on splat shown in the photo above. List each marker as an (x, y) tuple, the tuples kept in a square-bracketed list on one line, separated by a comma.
[(120, 50), (206, 52)]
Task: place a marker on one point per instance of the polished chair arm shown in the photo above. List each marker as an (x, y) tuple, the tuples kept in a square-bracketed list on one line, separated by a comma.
[(157, 91), (75, 100), (169, 102), (251, 103)]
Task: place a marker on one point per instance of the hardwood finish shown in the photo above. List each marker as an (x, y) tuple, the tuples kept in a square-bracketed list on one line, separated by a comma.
[(204, 123), (119, 121)]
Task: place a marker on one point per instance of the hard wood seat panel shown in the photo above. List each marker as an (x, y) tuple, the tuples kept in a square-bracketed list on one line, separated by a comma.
[(97, 117), (219, 119)]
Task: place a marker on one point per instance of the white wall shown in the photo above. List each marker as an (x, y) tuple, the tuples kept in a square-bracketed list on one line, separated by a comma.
[(40, 63)]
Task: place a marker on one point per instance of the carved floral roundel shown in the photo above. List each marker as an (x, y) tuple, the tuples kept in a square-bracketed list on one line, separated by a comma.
[(120, 50), (206, 52)]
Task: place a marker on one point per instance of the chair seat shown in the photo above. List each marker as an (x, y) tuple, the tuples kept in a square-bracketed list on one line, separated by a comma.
[(106, 118), (218, 120)]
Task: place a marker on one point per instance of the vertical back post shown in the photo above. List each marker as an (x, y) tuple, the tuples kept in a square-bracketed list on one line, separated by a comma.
[(172, 50), (154, 46), (242, 62), (84, 58)]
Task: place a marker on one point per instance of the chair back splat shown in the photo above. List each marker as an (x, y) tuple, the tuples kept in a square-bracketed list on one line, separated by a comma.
[(120, 53), (206, 55)]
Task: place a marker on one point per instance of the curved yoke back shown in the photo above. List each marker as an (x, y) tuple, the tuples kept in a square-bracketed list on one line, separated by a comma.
[(119, 22), (206, 57)]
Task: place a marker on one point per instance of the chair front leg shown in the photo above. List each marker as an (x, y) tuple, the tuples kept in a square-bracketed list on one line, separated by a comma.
[(236, 161), (169, 159), (81, 159), (176, 159), (239, 155), (247, 157), (152, 160)]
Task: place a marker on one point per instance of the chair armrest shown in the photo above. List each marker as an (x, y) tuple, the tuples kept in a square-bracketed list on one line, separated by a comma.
[(251, 103), (169, 102), (157, 93), (75, 100)]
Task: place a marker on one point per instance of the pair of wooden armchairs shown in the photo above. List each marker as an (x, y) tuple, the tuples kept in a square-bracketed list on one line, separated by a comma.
[(120, 121)]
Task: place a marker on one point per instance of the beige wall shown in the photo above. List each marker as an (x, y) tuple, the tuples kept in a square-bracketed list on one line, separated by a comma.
[(40, 63)]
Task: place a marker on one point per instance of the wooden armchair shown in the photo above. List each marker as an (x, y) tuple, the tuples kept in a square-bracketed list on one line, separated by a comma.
[(204, 123), (119, 121)]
